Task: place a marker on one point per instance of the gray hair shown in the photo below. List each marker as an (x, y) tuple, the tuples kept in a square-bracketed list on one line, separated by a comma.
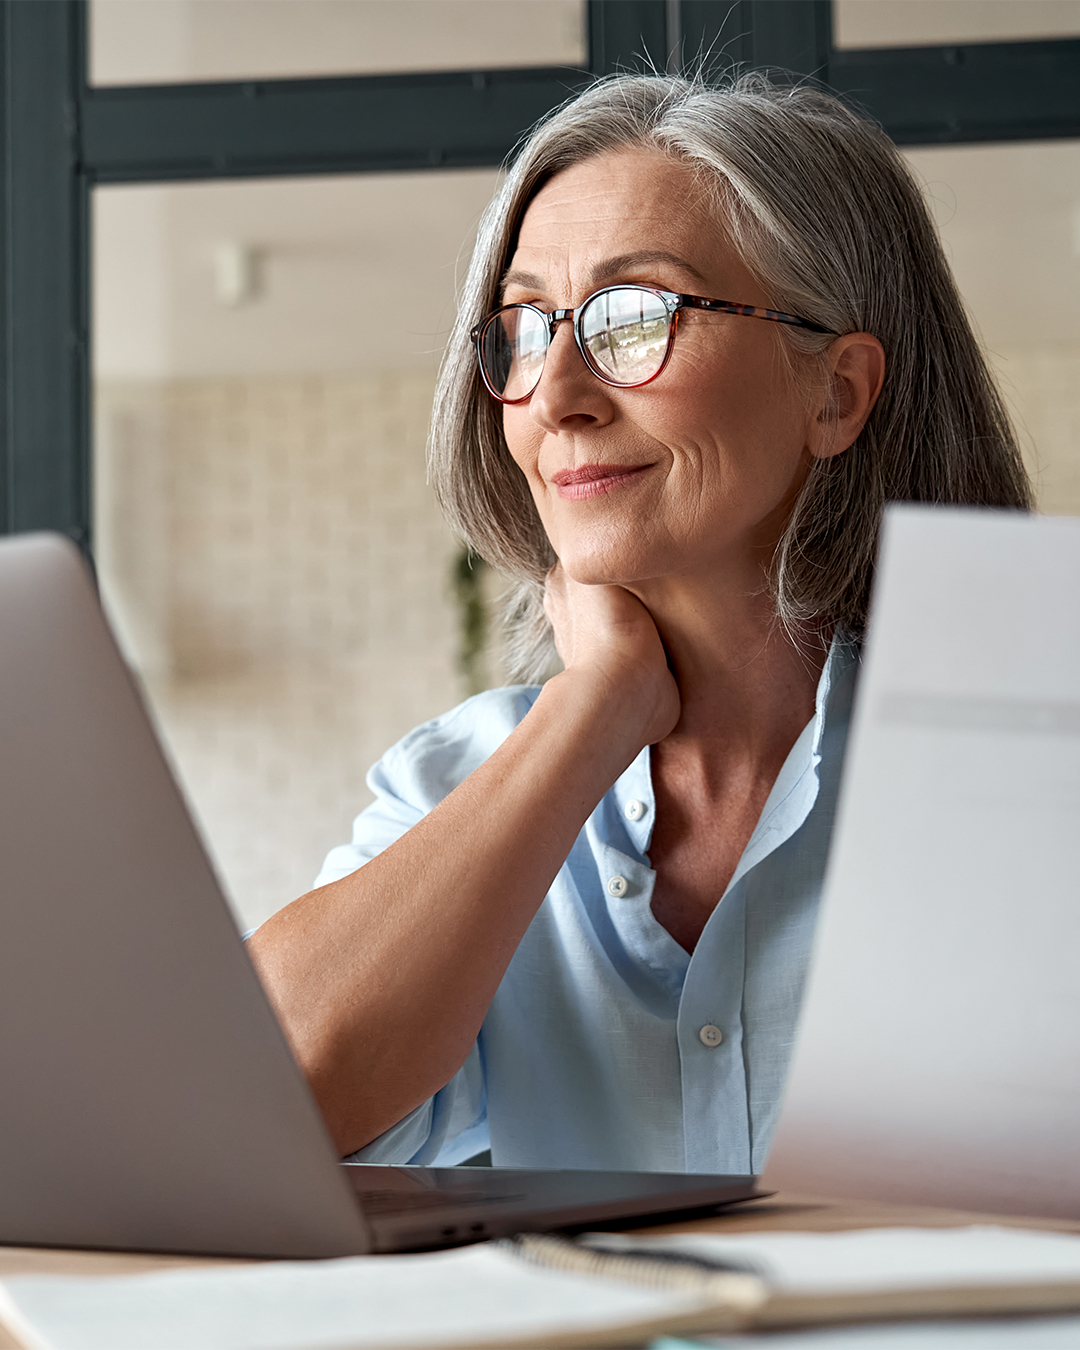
[(823, 210)]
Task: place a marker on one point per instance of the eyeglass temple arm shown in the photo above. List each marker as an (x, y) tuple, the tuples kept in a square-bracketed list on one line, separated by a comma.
[(753, 312)]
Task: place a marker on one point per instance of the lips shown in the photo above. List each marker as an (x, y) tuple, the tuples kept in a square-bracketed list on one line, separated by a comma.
[(590, 473), (592, 480)]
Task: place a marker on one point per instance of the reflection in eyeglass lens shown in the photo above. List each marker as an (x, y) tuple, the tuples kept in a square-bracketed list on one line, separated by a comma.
[(515, 345), (626, 333)]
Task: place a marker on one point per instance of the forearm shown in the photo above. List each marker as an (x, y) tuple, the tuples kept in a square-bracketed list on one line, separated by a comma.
[(382, 979)]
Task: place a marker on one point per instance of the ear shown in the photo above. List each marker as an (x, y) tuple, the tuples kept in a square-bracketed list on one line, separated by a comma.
[(855, 374)]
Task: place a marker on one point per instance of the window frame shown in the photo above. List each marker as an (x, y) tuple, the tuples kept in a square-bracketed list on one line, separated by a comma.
[(61, 137)]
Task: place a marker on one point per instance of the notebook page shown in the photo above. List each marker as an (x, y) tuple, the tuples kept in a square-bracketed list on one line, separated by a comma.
[(463, 1297), (879, 1258)]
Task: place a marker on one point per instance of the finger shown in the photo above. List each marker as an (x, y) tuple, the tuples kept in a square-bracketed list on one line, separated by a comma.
[(557, 609)]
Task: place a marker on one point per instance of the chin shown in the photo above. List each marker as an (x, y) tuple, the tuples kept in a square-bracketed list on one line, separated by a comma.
[(602, 570)]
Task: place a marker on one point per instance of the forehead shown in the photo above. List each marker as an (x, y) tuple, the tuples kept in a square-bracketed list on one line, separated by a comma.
[(622, 202)]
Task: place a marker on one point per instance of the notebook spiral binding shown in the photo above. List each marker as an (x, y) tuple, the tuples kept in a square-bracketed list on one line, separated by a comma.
[(736, 1288)]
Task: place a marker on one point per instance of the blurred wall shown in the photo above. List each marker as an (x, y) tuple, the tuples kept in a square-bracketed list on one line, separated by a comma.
[(270, 552), (265, 355)]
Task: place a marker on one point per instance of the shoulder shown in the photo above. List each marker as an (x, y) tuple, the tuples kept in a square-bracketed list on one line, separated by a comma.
[(424, 767), (436, 756)]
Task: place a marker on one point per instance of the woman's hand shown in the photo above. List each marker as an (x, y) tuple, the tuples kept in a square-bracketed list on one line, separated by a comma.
[(607, 634)]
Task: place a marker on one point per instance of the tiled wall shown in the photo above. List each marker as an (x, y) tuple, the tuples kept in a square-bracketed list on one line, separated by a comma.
[(278, 571)]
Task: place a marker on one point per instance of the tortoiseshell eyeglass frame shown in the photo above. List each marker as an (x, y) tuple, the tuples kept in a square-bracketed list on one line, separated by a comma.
[(674, 301)]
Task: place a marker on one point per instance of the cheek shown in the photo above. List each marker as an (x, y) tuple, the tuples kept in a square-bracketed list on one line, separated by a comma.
[(752, 415), (523, 439), (736, 378)]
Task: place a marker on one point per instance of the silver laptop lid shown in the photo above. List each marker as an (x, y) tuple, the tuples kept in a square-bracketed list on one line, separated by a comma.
[(188, 1126), (938, 1058)]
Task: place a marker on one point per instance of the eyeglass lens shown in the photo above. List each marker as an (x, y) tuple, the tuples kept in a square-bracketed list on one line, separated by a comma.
[(624, 331), (512, 347)]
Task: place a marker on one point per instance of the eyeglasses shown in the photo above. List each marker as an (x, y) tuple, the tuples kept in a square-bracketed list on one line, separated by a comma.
[(624, 333)]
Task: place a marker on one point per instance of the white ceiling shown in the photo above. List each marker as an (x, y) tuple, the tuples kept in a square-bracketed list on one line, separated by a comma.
[(141, 41), (146, 41), (904, 23)]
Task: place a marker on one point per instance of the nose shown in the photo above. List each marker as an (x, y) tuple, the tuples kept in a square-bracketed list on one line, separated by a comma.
[(568, 396)]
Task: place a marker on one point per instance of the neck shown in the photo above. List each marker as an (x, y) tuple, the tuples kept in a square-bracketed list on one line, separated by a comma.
[(747, 687)]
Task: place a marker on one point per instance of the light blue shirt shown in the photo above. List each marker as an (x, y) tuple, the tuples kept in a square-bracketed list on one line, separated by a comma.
[(593, 1052)]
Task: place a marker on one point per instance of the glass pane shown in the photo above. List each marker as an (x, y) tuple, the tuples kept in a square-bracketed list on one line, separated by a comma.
[(269, 550), (915, 23), (1010, 219), (168, 41)]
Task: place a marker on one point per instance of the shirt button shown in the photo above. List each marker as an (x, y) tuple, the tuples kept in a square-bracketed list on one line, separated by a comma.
[(710, 1035), (618, 886), (634, 810)]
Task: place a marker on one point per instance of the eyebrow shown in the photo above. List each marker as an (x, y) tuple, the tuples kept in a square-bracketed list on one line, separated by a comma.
[(604, 271), (630, 262)]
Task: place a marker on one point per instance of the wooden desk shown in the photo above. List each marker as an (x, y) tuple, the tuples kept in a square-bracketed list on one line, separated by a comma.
[(780, 1213)]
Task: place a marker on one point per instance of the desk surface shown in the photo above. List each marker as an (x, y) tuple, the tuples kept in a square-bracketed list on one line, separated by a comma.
[(779, 1213)]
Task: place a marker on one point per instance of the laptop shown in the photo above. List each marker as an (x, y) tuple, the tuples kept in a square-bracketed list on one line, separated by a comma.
[(150, 1101), (938, 1054)]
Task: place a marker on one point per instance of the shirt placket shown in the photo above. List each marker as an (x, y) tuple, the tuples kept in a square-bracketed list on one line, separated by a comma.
[(628, 882), (710, 1036)]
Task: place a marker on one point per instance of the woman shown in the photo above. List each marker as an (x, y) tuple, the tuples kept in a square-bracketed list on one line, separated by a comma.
[(706, 334)]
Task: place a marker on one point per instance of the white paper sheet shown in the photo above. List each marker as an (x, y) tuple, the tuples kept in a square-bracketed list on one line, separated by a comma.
[(936, 1058), (484, 1293), (882, 1258), (478, 1293)]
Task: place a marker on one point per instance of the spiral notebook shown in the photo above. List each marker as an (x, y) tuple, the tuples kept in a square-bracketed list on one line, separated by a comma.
[(543, 1291)]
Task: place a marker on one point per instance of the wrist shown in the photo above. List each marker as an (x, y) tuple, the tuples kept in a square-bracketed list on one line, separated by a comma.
[(610, 713)]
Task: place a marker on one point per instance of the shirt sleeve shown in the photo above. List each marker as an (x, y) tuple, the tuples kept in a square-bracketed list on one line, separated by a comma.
[(410, 779)]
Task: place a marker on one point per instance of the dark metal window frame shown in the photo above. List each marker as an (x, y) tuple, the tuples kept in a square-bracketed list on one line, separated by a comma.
[(60, 137)]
